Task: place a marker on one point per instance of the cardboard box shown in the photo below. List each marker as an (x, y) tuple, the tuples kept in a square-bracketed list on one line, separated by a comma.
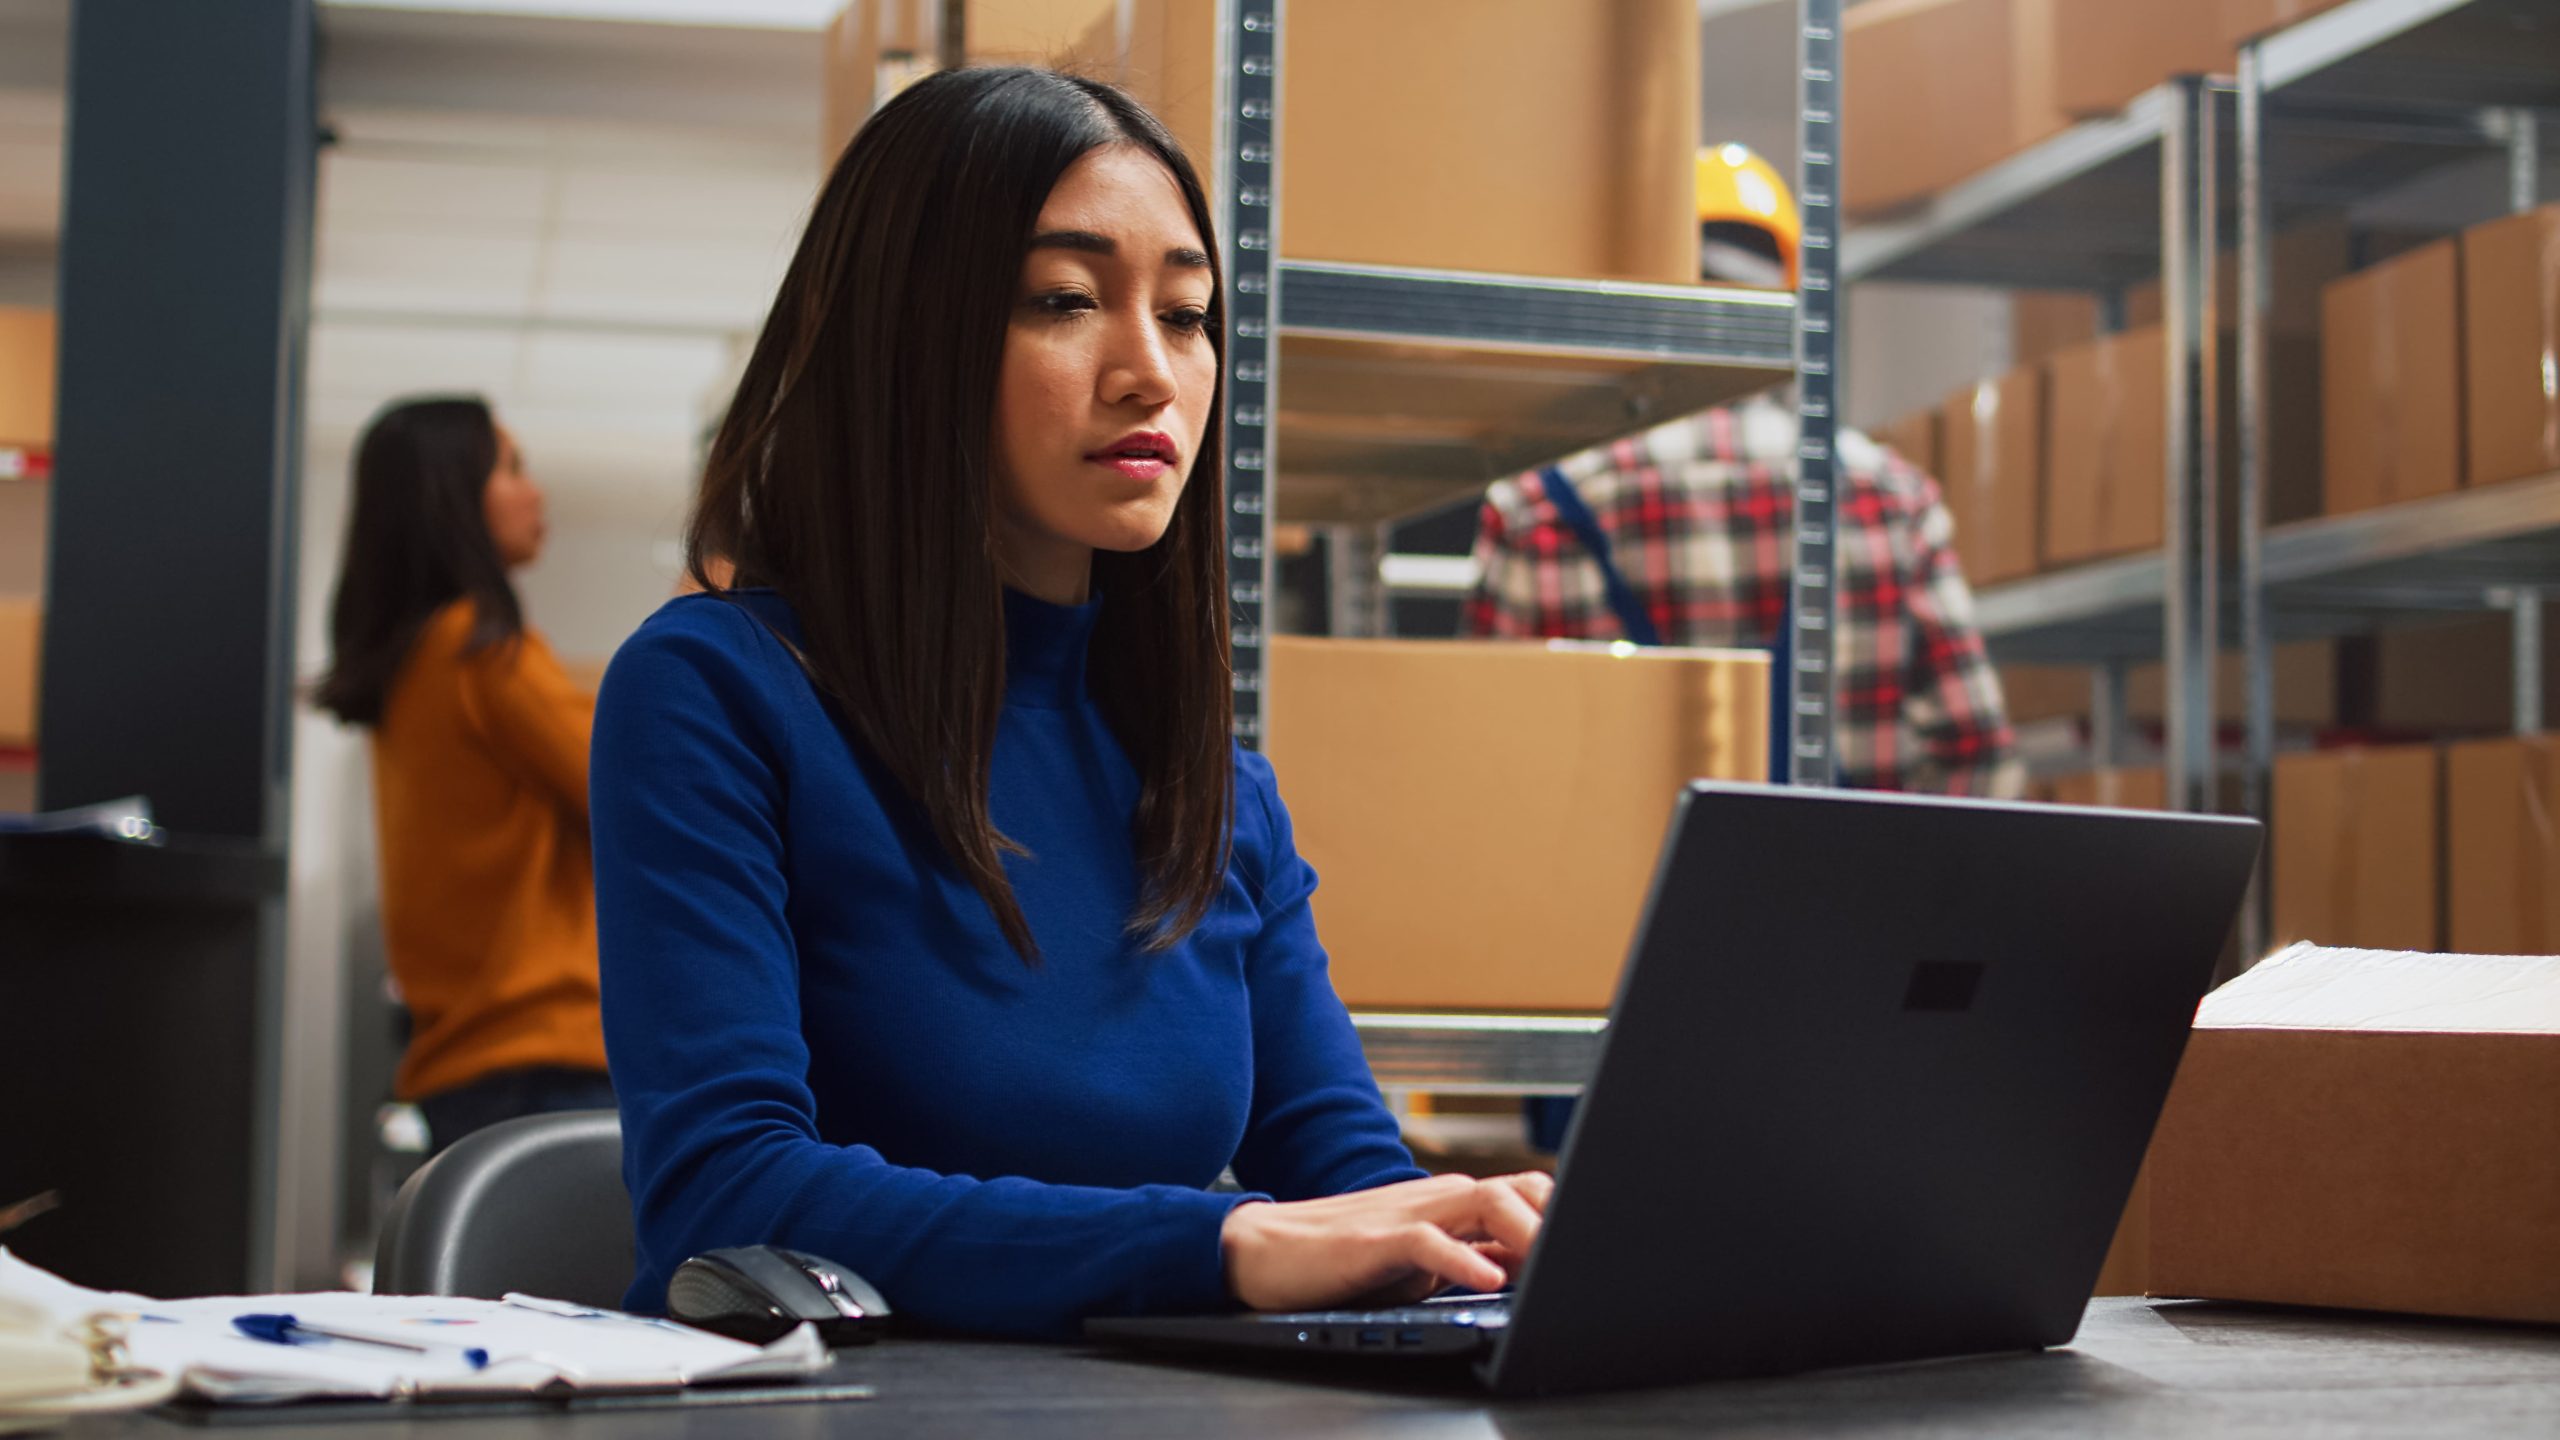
[(2454, 678), (2293, 429), (1507, 135), (2249, 19), (1035, 32), (2305, 257), (2133, 789), (1516, 136), (2306, 675), (1914, 437), (2106, 447), (2032, 693), (2374, 1132), (1485, 817), (1993, 449), (2510, 312), (2391, 381), (1941, 90), (2127, 1270), (26, 377), (2044, 321), (908, 27), (2306, 690), (2354, 849), (2502, 855), (21, 654), (850, 77), (2105, 52)]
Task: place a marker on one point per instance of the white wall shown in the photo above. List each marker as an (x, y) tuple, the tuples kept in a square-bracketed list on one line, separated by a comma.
[(594, 586), (577, 221), (1909, 346), (331, 892)]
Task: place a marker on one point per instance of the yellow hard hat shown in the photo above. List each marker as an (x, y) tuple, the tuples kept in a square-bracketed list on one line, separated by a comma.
[(1745, 211)]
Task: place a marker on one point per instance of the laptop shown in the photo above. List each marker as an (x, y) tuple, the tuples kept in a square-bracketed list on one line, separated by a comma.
[(1877, 1080)]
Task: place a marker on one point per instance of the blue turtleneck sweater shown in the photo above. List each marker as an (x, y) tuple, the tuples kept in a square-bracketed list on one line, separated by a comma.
[(821, 1040)]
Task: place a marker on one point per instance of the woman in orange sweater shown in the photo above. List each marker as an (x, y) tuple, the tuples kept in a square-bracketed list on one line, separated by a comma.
[(479, 772)]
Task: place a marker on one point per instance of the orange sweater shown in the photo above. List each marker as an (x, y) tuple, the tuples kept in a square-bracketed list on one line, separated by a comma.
[(488, 895)]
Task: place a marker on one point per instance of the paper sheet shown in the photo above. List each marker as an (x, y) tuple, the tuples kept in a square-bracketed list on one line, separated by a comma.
[(534, 1345)]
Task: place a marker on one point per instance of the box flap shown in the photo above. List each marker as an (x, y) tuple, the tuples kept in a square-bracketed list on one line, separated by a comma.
[(2309, 987)]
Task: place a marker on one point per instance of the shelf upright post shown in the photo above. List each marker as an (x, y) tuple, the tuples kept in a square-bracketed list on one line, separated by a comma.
[(1247, 144), (1813, 686), (2524, 159), (2188, 213), (2257, 299), (2527, 633), (2110, 720), (1355, 555), (2524, 191)]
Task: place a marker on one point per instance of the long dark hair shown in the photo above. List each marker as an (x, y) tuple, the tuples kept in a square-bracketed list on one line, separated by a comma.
[(854, 474), (417, 540)]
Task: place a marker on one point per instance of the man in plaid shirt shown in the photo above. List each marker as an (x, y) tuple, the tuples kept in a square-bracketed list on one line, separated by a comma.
[(1700, 516)]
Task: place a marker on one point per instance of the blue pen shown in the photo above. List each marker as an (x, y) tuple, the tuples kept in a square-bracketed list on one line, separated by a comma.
[(286, 1330)]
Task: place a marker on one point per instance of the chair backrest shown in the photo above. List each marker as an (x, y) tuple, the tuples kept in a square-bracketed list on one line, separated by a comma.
[(533, 1205)]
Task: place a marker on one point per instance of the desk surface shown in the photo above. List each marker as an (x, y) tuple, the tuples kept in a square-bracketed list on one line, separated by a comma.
[(2138, 1367)]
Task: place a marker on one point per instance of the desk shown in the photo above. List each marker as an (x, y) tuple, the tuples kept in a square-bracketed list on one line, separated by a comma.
[(2139, 1368)]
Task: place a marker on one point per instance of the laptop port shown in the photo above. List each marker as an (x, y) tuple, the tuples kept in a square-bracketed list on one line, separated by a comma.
[(1373, 1337), (1408, 1337)]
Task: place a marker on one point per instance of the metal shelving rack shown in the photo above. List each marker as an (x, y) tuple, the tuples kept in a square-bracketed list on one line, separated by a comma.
[(1407, 388), (2346, 104), (2359, 98)]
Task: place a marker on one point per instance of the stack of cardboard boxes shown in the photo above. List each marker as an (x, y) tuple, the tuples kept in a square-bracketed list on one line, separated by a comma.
[(2359, 1130), (1512, 136), (2415, 377), (2399, 847), (1946, 89), (2435, 366)]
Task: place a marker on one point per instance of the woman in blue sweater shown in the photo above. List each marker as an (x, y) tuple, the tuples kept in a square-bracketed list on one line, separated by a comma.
[(944, 931)]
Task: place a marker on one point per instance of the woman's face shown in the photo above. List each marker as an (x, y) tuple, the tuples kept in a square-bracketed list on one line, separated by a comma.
[(1108, 373), (512, 505)]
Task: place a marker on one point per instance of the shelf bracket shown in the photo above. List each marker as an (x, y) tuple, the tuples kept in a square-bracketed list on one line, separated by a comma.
[(1812, 683), (1247, 143)]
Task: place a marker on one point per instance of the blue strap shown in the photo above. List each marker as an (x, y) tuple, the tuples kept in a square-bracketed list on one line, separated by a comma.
[(1782, 699), (1639, 626), (1577, 517)]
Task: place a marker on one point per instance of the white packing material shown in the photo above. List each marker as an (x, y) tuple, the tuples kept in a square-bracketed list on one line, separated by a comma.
[(2311, 987), (531, 1346)]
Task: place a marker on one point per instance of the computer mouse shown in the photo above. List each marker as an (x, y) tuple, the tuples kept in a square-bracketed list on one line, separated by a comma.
[(758, 1293)]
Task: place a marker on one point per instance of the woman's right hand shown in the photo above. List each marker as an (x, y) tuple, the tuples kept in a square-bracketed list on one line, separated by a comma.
[(1393, 1245)]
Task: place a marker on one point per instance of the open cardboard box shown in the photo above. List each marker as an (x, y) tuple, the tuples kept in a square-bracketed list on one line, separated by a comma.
[(1484, 817), (2376, 1130)]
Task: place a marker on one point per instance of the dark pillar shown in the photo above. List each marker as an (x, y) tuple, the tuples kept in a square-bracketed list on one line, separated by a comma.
[(141, 984), (185, 287)]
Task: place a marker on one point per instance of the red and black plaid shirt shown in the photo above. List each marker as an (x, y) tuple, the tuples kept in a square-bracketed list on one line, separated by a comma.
[(1700, 518)]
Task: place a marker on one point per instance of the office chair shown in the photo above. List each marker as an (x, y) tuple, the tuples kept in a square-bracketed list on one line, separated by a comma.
[(533, 1205)]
